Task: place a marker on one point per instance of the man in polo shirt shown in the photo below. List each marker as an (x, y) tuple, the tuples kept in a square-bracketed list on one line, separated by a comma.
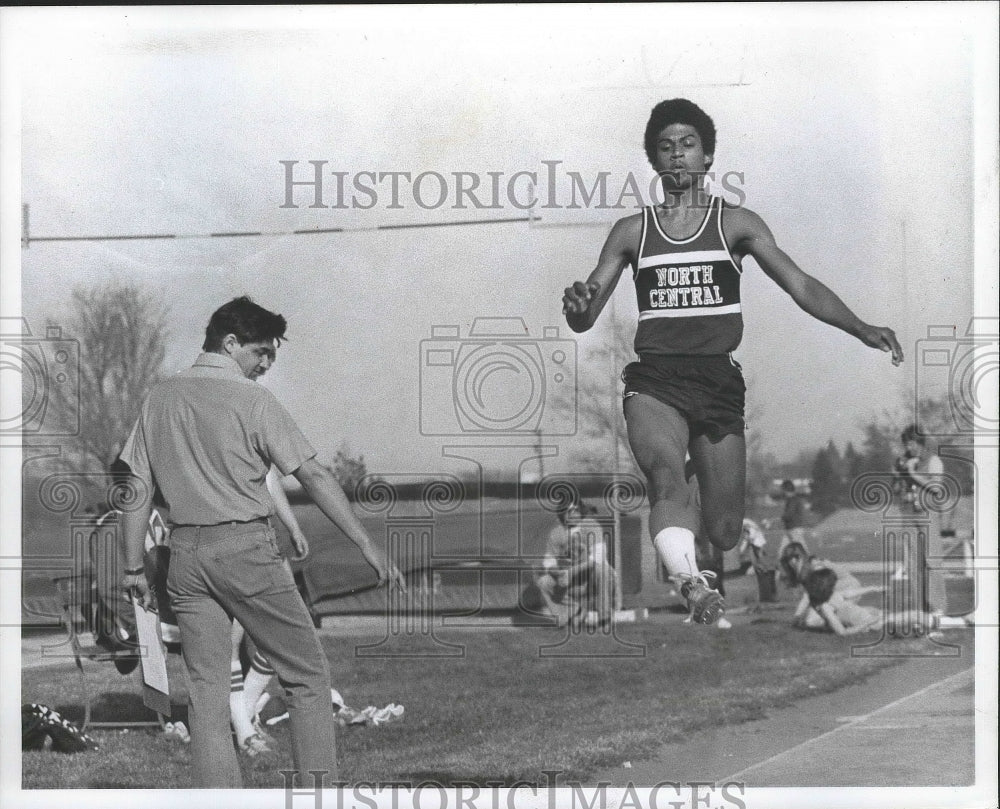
[(206, 439)]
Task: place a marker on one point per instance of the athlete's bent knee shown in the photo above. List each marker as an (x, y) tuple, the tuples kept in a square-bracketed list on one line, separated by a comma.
[(725, 531)]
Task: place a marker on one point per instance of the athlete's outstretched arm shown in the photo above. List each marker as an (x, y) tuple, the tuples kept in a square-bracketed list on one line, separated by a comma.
[(749, 236), (583, 301)]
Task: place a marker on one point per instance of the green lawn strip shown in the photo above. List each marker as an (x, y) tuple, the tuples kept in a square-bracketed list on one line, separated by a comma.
[(499, 713)]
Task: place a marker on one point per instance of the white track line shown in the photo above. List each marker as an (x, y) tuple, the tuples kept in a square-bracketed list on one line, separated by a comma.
[(854, 721)]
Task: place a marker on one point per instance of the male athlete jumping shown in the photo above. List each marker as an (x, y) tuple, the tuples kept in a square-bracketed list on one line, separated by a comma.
[(686, 393)]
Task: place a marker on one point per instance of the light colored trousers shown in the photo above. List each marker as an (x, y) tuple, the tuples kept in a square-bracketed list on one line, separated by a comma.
[(234, 570)]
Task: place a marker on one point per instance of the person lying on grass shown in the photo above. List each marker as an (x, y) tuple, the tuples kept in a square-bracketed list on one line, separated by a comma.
[(796, 563), (823, 608), (797, 567)]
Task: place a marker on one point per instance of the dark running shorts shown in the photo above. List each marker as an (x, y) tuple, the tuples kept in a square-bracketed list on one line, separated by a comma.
[(707, 390)]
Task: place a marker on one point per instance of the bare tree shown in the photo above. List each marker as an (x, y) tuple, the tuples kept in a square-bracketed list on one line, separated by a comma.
[(760, 462), (598, 400), (122, 332), (348, 469)]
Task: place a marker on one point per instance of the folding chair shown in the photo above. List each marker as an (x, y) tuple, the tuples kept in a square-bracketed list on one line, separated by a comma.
[(75, 592)]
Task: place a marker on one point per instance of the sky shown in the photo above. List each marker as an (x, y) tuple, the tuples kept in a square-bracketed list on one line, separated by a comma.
[(851, 134)]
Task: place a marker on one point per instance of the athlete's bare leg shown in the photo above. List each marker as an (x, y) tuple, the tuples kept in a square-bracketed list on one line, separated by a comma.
[(658, 435), (721, 471)]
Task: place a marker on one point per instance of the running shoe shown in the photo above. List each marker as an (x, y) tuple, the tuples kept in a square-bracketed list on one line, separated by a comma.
[(705, 603)]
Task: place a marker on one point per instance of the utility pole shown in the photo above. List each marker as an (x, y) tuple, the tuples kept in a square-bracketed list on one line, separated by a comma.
[(616, 538)]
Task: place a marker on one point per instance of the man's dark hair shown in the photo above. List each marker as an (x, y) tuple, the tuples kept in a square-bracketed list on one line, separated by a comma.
[(788, 486), (245, 319), (819, 586), (912, 434), (679, 111)]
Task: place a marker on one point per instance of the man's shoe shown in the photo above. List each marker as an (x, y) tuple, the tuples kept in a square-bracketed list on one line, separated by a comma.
[(255, 745), (706, 605)]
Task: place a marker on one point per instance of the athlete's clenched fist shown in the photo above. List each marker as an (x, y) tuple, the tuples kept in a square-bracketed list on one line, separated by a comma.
[(577, 298)]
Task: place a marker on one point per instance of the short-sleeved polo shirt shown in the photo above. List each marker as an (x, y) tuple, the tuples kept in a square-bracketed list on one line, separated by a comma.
[(207, 437)]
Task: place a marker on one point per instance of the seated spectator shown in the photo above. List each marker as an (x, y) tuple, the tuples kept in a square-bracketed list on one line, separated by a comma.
[(576, 582), (825, 609), (822, 607), (795, 564)]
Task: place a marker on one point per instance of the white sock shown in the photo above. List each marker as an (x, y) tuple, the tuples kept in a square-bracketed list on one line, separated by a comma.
[(238, 717), (254, 685), (676, 549)]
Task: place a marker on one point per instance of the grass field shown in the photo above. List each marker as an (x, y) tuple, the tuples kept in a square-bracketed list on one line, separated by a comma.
[(503, 711), (499, 713)]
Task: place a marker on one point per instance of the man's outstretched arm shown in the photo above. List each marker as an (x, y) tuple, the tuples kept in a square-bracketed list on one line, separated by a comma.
[(323, 487)]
